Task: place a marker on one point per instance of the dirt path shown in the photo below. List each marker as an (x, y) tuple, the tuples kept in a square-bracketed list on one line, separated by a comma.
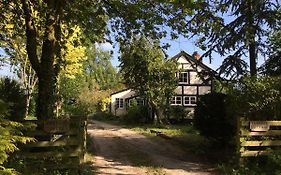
[(120, 151)]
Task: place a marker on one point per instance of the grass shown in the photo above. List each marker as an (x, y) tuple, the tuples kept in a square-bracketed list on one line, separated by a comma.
[(171, 130)]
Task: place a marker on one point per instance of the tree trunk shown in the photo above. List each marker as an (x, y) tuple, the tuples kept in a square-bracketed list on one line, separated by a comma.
[(46, 95), (253, 58), (27, 104), (44, 67), (159, 115), (252, 41)]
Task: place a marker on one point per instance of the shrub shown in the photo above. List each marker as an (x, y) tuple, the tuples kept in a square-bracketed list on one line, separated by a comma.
[(270, 165), (104, 116), (136, 113), (177, 114), (12, 93), (212, 120), (10, 135), (257, 98)]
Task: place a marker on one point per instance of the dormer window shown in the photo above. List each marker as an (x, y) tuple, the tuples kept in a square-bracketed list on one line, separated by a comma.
[(183, 77)]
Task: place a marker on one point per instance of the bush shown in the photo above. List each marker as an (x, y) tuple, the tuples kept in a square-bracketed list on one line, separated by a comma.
[(10, 134), (137, 114), (264, 165), (104, 116), (257, 98), (212, 120), (177, 114), (12, 93)]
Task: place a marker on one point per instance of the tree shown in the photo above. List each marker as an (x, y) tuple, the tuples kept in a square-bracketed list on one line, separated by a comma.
[(272, 66), (40, 22), (147, 72), (15, 54), (98, 67), (86, 91), (234, 27)]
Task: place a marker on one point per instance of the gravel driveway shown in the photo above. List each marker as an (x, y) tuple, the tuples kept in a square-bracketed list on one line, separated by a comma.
[(121, 151)]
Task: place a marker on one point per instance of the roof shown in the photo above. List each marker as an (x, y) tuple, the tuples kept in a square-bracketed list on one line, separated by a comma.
[(120, 91), (200, 63)]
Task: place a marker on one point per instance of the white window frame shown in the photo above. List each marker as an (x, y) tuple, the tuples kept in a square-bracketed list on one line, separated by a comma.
[(180, 79), (187, 100), (175, 99), (119, 103)]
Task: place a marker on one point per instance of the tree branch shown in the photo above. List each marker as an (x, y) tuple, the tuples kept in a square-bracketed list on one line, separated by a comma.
[(31, 43)]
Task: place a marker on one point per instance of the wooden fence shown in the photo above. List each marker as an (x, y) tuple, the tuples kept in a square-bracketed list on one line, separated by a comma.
[(60, 144), (259, 137)]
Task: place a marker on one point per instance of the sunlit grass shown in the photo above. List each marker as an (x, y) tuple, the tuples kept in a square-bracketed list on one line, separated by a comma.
[(171, 130)]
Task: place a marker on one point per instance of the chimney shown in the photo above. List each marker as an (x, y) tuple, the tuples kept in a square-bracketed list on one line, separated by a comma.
[(197, 56)]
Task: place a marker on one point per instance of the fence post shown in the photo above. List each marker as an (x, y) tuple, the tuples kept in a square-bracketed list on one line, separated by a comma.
[(238, 141)]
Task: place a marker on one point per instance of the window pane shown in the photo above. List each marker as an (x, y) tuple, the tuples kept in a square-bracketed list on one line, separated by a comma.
[(121, 104), (192, 100), (186, 100), (178, 100), (183, 76), (117, 103)]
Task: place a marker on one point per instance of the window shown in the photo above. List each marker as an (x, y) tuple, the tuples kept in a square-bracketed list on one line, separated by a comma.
[(189, 100), (119, 103), (183, 77), (176, 100)]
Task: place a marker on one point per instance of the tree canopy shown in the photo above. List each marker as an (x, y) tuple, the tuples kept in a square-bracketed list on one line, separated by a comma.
[(235, 28), (147, 72), (272, 66), (40, 23)]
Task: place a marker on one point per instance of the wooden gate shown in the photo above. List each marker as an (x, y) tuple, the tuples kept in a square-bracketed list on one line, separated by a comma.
[(259, 137), (60, 144)]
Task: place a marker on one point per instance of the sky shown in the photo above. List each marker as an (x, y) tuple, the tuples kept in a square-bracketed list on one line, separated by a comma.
[(181, 44)]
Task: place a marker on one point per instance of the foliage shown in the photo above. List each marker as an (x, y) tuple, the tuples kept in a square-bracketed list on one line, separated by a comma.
[(104, 116), (136, 113), (86, 101), (233, 67), (234, 27), (104, 104), (256, 99), (87, 91), (147, 72), (272, 66), (12, 93), (73, 53), (41, 24), (177, 114), (15, 54), (213, 121), (270, 164), (10, 135), (99, 68)]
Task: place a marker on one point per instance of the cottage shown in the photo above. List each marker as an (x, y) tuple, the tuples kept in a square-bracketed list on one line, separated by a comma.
[(195, 79)]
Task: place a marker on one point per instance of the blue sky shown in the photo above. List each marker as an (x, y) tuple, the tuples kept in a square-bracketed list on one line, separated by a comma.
[(177, 45), (181, 44)]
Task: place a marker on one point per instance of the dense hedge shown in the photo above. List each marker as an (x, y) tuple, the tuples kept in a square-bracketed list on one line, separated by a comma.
[(212, 120)]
